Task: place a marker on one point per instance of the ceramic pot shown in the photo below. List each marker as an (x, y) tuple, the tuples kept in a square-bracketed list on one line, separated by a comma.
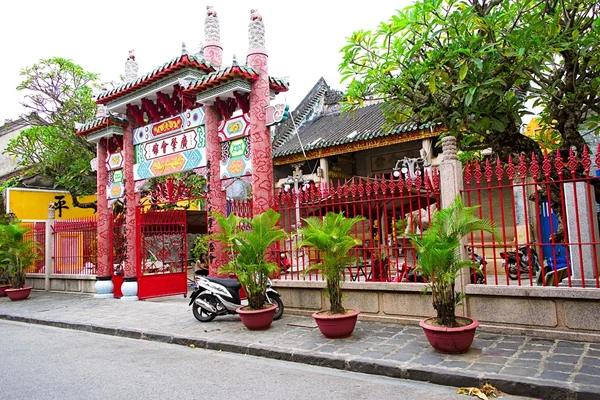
[(257, 320), (3, 290), (336, 326), (18, 294), (450, 340)]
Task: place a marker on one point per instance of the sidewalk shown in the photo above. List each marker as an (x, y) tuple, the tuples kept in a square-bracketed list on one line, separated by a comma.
[(516, 365)]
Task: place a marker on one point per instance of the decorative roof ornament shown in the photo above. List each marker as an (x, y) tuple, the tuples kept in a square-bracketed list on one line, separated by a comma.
[(256, 30), (183, 49), (212, 31), (131, 67), (199, 52), (234, 62), (101, 111)]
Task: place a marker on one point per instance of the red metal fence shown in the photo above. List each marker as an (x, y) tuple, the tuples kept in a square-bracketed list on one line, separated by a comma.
[(385, 254), (546, 214), (76, 246), (37, 233)]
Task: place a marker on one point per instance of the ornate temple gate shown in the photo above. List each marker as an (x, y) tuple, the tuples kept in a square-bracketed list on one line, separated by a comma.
[(180, 119), (162, 265)]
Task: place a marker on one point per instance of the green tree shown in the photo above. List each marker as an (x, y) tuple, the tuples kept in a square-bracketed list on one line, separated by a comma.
[(58, 93), (469, 66)]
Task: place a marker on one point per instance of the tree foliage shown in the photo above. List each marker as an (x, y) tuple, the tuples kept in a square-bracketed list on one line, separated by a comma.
[(58, 93), (470, 66)]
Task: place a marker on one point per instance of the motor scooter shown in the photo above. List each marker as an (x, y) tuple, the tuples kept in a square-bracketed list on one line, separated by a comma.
[(525, 257), (284, 263), (218, 296), (480, 268)]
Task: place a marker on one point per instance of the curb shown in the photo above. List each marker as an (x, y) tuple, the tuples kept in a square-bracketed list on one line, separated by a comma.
[(518, 386)]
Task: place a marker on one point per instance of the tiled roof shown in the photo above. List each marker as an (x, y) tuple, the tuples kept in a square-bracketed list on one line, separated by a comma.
[(101, 123), (278, 84), (337, 129), (176, 64), (284, 130), (229, 73), (221, 76)]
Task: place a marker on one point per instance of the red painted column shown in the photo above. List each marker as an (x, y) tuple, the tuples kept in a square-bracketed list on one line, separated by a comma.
[(216, 201), (216, 196), (104, 286), (260, 136), (130, 285)]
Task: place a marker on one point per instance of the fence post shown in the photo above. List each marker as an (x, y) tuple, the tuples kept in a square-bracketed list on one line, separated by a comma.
[(583, 258), (49, 246), (451, 183)]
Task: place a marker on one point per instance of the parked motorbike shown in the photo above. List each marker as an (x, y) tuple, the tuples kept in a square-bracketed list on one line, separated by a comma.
[(218, 296), (408, 273), (284, 263), (523, 257), (480, 269)]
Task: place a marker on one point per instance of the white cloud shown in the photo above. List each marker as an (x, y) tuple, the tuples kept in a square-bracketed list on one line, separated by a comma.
[(303, 38)]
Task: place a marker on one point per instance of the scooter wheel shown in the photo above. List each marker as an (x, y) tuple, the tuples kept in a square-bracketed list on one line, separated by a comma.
[(275, 299), (512, 272), (201, 314)]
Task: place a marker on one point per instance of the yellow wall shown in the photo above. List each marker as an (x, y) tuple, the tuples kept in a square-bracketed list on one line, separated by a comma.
[(31, 204)]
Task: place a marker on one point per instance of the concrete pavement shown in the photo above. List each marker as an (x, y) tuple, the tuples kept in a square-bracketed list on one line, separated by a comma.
[(547, 369)]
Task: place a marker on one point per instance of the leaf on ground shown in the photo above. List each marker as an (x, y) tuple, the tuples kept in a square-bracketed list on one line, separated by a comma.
[(472, 391), (482, 392)]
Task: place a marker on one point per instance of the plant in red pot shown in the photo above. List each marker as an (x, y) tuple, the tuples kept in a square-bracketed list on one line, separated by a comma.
[(330, 237), (17, 253), (439, 262), (4, 278), (248, 240)]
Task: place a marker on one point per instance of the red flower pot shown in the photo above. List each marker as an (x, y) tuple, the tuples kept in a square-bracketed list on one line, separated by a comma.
[(450, 340), (336, 326), (257, 320), (18, 294), (3, 290)]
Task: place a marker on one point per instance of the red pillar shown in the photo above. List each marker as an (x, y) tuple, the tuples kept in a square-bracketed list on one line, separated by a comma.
[(103, 212), (260, 136), (130, 287), (216, 201), (104, 286)]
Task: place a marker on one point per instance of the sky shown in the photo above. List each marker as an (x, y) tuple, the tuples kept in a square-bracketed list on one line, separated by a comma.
[(303, 38)]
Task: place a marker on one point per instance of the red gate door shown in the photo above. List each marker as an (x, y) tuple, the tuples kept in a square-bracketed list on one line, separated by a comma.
[(162, 269)]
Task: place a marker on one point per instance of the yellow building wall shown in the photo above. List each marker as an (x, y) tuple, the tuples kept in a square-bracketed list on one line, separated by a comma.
[(32, 204)]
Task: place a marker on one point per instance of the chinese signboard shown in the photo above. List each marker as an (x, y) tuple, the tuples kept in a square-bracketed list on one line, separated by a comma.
[(235, 147)]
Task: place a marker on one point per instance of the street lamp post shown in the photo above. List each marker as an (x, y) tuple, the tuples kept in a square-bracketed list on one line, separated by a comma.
[(296, 179)]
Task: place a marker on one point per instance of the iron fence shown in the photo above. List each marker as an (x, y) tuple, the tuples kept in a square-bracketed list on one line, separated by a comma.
[(76, 246), (37, 233), (545, 212), (385, 254)]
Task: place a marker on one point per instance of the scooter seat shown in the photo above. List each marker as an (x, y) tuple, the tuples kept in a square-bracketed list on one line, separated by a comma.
[(228, 283)]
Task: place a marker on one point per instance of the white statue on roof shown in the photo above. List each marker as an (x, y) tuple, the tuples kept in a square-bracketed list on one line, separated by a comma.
[(256, 30), (131, 67), (212, 30)]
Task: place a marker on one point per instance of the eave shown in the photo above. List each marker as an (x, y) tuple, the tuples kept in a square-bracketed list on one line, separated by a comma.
[(351, 147), (100, 124), (184, 61)]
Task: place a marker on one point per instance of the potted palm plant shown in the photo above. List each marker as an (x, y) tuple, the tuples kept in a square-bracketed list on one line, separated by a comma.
[(439, 262), (4, 279), (248, 240), (17, 253), (330, 237)]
